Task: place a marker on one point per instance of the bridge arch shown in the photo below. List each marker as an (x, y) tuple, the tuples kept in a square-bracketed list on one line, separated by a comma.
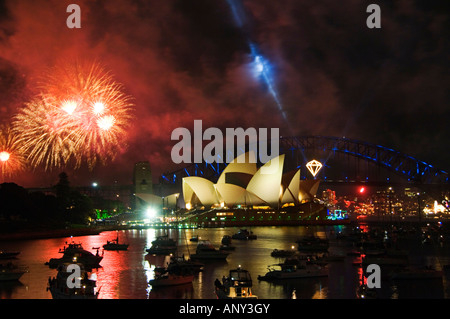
[(300, 148)]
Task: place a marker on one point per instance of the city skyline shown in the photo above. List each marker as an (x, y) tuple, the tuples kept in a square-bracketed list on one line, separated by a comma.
[(332, 75)]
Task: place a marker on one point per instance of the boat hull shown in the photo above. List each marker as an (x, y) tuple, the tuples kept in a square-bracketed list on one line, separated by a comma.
[(161, 251), (8, 255), (222, 295), (210, 256), (60, 294), (171, 281), (280, 275), (89, 262), (115, 247)]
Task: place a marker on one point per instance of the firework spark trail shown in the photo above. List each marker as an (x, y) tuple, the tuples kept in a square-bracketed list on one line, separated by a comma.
[(12, 158), (44, 134), (81, 115)]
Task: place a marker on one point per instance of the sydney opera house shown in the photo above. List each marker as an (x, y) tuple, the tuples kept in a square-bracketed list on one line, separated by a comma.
[(245, 194)]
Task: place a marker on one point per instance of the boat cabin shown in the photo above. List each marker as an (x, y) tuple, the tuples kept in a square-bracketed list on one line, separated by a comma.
[(238, 284)]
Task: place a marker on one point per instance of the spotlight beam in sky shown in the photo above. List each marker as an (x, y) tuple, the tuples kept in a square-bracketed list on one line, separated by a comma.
[(262, 66)]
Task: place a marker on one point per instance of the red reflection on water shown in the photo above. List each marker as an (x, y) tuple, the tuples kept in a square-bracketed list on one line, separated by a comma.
[(361, 276), (116, 279)]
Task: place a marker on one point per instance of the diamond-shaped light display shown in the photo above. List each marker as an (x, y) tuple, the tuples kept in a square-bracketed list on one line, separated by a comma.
[(314, 167)]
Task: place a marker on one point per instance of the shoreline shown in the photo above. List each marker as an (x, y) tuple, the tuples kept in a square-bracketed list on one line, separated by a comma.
[(56, 233), (27, 234)]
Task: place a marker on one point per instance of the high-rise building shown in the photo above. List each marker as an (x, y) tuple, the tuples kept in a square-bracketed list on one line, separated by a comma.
[(142, 181)]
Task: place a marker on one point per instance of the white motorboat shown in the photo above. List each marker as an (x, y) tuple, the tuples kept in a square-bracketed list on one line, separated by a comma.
[(238, 285)]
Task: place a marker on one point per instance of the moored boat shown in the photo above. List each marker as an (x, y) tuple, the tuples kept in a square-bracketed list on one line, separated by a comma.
[(312, 243), (238, 285), (115, 245), (8, 254), (244, 234), (170, 279), (205, 250), (11, 272), (282, 253), (75, 253), (226, 240), (84, 289), (163, 245), (226, 243), (292, 271), (227, 247), (181, 265), (195, 238)]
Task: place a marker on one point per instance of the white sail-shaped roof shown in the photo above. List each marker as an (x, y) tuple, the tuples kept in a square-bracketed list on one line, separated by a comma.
[(251, 199), (308, 189), (266, 182), (291, 193), (230, 194), (150, 199), (203, 188), (171, 200), (188, 192), (244, 163)]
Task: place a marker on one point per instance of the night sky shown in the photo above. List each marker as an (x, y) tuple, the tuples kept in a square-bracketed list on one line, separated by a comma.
[(183, 60)]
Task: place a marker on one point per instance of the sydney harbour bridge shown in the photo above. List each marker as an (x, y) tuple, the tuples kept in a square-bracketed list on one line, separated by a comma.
[(345, 161)]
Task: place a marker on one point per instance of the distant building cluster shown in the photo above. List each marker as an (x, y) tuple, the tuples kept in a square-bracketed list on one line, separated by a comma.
[(387, 203)]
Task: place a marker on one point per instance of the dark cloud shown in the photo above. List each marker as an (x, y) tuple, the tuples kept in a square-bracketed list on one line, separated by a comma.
[(186, 60)]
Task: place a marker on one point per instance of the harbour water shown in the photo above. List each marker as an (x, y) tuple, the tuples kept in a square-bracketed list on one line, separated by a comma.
[(126, 274)]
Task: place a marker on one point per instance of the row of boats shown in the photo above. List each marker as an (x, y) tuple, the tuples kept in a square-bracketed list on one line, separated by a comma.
[(74, 255), (179, 270), (238, 283), (310, 259)]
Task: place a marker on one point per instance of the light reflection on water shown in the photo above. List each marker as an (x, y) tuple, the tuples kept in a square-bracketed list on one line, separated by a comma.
[(125, 274)]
